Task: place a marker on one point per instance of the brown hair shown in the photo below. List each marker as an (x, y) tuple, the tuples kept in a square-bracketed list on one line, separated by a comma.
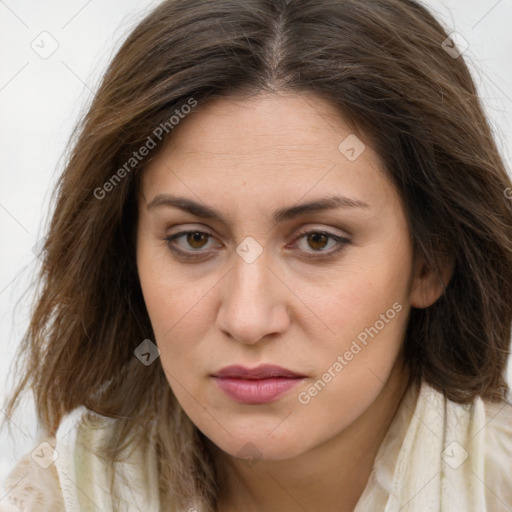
[(382, 63)]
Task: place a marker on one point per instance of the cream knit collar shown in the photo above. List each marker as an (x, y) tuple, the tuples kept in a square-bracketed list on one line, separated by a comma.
[(442, 456)]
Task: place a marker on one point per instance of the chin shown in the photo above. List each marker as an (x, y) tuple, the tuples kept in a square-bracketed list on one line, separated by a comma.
[(260, 447)]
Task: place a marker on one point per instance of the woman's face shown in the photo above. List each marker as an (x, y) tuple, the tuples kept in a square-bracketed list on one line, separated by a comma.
[(251, 287)]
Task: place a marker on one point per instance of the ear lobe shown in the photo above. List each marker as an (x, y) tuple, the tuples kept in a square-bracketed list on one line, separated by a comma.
[(429, 283)]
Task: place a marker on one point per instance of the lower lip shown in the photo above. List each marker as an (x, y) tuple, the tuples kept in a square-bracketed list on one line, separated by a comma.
[(259, 391)]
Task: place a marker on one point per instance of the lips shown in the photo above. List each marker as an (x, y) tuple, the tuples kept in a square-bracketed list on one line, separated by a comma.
[(260, 385), (264, 371)]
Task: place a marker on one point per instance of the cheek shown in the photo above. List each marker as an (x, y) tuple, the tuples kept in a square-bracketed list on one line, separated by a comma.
[(168, 295), (367, 302), (178, 308), (366, 311), (177, 316), (359, 356), (369, 322)]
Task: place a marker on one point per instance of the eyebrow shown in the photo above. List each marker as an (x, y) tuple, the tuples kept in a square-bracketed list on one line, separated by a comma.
[(280, 215)]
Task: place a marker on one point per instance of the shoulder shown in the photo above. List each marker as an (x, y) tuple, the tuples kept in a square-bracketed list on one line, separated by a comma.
[(64, 471), (33, 484), (416, 451), (497, 436), (498, 431)]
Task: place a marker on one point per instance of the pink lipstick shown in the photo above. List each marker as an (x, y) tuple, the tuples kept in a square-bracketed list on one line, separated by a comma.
[(259, 385)]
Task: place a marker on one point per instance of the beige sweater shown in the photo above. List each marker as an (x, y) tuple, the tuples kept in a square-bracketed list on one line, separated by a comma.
[(437, 456)]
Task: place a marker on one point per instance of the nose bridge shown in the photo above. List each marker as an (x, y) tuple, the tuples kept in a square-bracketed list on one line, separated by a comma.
[(251, 302), (251, 274)]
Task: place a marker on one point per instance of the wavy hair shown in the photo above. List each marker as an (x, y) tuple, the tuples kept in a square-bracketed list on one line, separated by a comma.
[(384, 64)]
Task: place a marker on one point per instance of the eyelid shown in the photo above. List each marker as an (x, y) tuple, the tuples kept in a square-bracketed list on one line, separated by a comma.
[(190, 253), (341, 242)]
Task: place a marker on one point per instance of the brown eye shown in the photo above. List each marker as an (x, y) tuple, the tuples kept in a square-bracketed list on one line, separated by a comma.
[(317, 244), (317, 241), (196, 239), (195, 242)]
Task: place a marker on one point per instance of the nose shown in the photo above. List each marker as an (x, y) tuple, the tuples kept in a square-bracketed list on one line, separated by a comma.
[(253, 301)]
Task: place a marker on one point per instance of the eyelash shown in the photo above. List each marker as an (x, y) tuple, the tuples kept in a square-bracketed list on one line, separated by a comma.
[(341, 241)]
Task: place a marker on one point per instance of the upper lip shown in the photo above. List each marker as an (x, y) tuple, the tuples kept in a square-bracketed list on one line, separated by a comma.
[(263, 371)]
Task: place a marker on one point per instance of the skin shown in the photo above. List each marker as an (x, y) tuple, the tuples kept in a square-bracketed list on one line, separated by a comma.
[(246, 158)]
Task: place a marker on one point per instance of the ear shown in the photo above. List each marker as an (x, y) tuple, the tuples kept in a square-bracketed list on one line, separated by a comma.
[(429, 283)]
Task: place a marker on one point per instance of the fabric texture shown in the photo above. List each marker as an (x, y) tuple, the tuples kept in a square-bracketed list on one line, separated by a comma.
[(442, 456), (437, 456)]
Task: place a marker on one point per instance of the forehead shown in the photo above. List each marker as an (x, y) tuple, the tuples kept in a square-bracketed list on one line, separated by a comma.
[(287, 124), (269, 147)]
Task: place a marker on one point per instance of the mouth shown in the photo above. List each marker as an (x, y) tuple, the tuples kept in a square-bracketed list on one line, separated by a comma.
[(260, 385)]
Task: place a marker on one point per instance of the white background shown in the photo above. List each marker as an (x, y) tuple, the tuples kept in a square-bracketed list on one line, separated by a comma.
[(40, 101)]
